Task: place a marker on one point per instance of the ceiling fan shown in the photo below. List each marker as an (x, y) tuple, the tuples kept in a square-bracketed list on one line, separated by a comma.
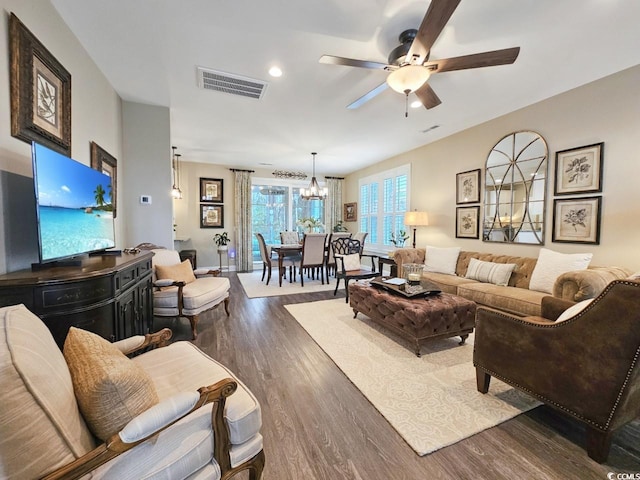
[(409, 63)]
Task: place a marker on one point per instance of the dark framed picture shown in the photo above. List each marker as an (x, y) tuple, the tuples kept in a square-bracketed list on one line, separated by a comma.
[(579, 170), (468, 187), (577, 220), (211, 190), (467, 219), (40, 92), (106, 163), (350, 213), (211, 216)]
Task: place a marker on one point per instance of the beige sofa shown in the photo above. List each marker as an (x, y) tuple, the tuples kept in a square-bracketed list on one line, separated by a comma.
[(516, 298)]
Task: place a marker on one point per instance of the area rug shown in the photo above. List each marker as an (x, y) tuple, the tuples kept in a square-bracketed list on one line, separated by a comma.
[(431, 401), (254, 287)]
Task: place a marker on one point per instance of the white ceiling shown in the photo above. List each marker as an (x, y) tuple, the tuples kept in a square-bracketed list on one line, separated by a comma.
[(149, 51)]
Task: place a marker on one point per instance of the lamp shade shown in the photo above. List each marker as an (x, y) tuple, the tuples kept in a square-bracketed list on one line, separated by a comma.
[(416, 219), (408, 78)]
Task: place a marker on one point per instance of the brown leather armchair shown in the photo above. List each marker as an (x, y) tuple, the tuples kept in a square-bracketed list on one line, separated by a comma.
[(587, 366)]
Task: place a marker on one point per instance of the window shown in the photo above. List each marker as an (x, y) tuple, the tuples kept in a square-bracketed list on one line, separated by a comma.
[(276, 206), (384, 198)]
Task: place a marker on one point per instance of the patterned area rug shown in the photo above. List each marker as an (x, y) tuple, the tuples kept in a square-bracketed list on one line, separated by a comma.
[(431, 401), (254, 287)]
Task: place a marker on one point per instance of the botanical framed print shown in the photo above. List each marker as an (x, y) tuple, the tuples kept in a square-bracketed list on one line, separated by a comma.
[(211, 216), (579, 170), (467, 220), (211, 190), (468, 187), (350, 213), (577, 220), (40, 92), (106, 163)]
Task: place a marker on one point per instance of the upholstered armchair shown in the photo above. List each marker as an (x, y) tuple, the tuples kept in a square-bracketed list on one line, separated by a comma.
[(180, 291), (171, 412), (585, 364)]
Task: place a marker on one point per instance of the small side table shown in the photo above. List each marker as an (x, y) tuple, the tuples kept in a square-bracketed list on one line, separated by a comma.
[(382, 261), (226, 254), (189, 255)]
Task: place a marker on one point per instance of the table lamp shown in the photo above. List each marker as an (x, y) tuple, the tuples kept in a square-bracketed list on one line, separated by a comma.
[(416, 219)]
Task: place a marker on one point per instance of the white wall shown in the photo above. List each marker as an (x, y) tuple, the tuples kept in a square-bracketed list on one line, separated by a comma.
[(147, 150), (606, 111), (96, 116)]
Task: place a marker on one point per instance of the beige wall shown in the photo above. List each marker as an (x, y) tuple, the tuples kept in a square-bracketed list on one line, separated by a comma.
[(96, 116), (187, 213), (604, 111)]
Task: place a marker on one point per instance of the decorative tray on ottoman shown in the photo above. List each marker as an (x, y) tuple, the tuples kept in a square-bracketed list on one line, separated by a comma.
[(401, 287)]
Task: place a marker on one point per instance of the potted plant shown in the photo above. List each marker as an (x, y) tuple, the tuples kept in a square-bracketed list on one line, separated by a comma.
[(339, 227), (399, 238), (222, 241)]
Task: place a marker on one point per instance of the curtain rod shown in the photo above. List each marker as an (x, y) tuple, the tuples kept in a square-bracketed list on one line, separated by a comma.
[(334, 178), (240, 170)]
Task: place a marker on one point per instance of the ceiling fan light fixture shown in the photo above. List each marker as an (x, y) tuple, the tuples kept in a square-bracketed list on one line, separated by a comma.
[(408, 79)]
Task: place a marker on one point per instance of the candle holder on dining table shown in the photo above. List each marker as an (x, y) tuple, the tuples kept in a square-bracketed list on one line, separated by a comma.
[(413, 275)]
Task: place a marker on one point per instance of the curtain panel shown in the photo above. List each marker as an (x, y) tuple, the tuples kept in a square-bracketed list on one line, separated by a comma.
[(333, 204), (242, 193)]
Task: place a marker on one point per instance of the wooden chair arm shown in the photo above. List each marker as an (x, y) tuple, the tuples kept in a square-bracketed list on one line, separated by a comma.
[(153, 340), (114, 446)]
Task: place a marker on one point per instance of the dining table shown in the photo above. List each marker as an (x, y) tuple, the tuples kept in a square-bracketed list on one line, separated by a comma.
[(285, 250)]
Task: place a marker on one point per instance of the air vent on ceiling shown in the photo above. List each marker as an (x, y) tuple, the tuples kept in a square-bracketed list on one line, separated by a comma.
[(230, 83)]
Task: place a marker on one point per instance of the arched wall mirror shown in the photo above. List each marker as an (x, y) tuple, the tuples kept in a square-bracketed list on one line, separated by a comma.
[(515, 189)]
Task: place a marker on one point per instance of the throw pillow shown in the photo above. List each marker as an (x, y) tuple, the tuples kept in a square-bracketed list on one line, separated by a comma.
[(351, 262), (635, 276), (489, 272), (551, 265), (182, 272), (574, 310), (441, 260), (110, 388)]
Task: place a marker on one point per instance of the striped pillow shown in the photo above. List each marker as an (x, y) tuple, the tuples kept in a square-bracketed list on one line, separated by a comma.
[(489, 272)]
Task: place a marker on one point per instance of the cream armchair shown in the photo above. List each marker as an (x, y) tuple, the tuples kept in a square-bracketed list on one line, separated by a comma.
[(181, 291), (200, 421)]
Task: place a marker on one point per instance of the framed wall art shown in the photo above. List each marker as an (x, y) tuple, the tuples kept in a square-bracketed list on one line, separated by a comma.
[(211, 216), (467, 219), (468, 187), (579, 170), (40, 92), (577, 220), (350, 213), (211, 190), (106, 163)]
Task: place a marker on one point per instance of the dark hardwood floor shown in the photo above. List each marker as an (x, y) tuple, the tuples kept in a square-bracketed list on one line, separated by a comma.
[(317, 424)]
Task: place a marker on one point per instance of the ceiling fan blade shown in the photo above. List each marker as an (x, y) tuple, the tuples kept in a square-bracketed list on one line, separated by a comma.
[(350, 62), (433, 22), (427, 96), (476, 60), (368, 96)]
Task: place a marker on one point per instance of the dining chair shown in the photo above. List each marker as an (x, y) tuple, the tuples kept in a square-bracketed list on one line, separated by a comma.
[(330, 262), (361, 237), (289, 237), (267, 265), (313, 254)]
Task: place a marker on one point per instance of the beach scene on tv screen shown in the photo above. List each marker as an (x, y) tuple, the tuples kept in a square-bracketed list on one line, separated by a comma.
[(74, 206)]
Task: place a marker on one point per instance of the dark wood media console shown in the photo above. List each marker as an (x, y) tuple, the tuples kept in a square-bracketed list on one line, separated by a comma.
[(108, 295)]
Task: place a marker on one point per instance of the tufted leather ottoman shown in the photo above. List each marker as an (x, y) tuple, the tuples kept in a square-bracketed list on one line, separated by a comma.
[(416, 319)]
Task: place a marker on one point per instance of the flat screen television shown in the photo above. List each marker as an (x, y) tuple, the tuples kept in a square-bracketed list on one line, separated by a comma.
[(73, 206)]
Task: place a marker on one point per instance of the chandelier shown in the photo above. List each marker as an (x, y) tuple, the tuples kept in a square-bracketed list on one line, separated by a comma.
[(314, 192), (175, 166)]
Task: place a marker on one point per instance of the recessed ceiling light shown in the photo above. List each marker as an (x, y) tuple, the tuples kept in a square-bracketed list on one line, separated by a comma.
[(275, 71), (265, 163), (416, 104)]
